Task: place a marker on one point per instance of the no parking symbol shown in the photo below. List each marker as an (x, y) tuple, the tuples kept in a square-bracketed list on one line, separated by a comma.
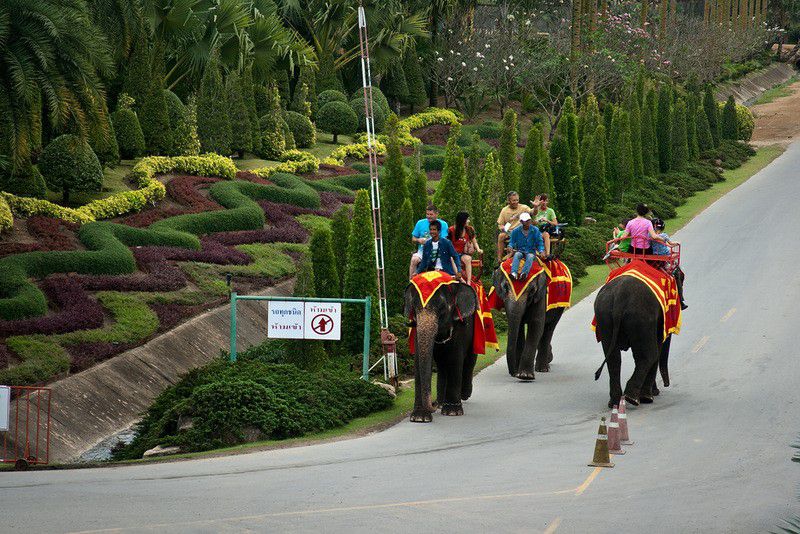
[(323, 320)]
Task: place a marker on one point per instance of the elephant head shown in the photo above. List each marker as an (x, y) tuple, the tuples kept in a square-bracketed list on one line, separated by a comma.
[(451, 306), (526, 319)]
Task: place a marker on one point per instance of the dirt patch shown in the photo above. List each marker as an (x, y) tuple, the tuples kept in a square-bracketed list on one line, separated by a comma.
[(776, 122)]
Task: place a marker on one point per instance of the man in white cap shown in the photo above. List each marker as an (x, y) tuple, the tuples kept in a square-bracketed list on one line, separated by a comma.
[(526, 241)]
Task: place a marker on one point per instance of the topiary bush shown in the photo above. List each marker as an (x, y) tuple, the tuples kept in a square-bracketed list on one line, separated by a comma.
[(69, 164), (377, 114), (379, 100), (331, 95), (25, 181), (130, 138), (337, 118), (303, 130)]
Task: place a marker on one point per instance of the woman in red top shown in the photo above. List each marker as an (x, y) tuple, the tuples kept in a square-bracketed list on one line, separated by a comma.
[(462, 235)]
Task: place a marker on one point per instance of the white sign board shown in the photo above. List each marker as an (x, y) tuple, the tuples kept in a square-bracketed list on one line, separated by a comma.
[(285, 320), (323, 320), (5, 408)]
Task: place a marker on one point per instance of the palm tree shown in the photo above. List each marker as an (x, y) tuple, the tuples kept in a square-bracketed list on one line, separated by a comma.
[(53, 60)]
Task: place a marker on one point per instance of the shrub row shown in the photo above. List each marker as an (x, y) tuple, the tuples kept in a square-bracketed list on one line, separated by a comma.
[(293, 162), (6, 218)]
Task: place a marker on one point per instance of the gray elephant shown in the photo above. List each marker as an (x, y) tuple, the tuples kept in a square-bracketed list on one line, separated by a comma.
[(444, 330), (527, 342), (628, 316)]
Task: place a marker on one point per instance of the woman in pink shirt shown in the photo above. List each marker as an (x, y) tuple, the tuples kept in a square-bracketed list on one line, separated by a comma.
[(640, 230)]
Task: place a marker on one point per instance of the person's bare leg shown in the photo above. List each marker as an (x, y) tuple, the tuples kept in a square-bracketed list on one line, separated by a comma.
[(412, 269), (501, 246), (546, 237), (466, 262)]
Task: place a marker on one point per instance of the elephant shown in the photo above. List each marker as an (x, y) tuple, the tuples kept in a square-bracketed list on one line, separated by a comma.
[(628, 315), (529, 333), (444, 330)]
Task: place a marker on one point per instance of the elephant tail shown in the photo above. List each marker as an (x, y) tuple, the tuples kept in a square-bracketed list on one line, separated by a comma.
[(614, 334)]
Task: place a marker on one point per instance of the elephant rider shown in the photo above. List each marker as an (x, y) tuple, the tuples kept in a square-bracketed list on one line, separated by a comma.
[(660, 249), (526, 241), (438, 253), (464, 240), (420, 235), (508, 221), (544, 217), (640, 230)]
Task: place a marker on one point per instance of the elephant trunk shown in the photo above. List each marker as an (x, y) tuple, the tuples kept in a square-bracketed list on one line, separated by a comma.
[(427, 327)]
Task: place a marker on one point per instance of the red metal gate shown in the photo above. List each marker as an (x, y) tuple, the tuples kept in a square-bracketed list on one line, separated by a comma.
[(27, 441)]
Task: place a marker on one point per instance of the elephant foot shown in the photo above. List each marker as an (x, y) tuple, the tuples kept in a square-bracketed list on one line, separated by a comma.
[(611, 404), (542, 367), (452, 409), (466, 392), (526, 376), (418, 416), (656, 392), (646, 399), (633, 401)]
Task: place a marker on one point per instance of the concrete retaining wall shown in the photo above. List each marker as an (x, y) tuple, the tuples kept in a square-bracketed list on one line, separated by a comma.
[(101, 401), (750, 87)]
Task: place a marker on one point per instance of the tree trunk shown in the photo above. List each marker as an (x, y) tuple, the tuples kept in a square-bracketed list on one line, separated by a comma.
[(673, 11), (575, 43), (65, 197), (335, 138)]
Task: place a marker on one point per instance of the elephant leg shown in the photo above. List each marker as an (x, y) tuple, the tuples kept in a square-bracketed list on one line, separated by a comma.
[(535, 328), (515, 343), (645, 355), (614, 369), (544, 354), (466, 375), (441, 380), (649, 388), (454, 367), (421, 413)]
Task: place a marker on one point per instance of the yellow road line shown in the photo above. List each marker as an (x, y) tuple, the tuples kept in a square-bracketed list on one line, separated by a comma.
[(552, 526), (700, 344), (580, 489), (728, 315)]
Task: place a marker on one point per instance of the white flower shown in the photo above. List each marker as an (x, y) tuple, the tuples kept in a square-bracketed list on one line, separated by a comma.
[(475, 69), (487, 45), (452, 52), (440, 59), (449, 79), (506, 67), (463, 64), (511, 58)]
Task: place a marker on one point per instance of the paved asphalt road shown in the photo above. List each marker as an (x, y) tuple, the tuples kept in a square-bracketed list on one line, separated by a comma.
[(711, 455)]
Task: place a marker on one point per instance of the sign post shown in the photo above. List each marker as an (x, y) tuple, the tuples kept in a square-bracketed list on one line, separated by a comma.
[(305, 318)]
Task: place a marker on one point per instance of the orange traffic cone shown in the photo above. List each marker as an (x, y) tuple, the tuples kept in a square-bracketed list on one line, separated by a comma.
[(601, 457), (623, 424), (614, 446)]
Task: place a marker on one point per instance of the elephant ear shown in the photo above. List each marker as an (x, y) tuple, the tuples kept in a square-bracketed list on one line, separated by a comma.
[(500, 284), (466, 302), (410, 300)]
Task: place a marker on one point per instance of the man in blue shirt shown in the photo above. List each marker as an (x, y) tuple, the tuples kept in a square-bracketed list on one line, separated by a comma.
[(438, 253), (421, 234), (526, 241)]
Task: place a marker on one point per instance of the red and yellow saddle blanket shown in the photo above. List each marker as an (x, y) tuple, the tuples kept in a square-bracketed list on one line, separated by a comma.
[(484, 335), (663, 287), (559, 283)]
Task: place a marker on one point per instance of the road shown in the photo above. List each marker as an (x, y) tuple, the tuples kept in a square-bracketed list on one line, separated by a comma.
[(711, 455)]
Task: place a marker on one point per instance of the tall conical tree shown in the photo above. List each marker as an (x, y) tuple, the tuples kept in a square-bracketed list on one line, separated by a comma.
[(650, 161), (452, 193), (680, 144), (213, 122), (152, 112), (621, 156), (664, 128), (508, 151), (474, 171), (640, 84), (399, 251), (594, 174), (394, 183), (608, 117), (360, 278), (340, 227), (307, 78), (704, 139), (562, 182), (418, 186), (250, 102), (530, 180), (574, 145), (712, 113), (326, 275), (589, 119), (241, 129), (691, 126), (417, 96), (303, 353), (636, 135), (492, 199), (729, 128)]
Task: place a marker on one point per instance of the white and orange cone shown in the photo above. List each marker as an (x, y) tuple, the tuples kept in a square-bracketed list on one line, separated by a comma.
[(624, 438), (614, 446)]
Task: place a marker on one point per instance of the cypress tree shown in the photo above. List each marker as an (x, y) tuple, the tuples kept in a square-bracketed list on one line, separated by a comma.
[(578, 204), (508, 151), (621, 156), (328, 77), (153, 114), (360, 277), (241, 129), (326, 277), (729, 128), (492, 200), (273, 139), (394, 85), (574, 146), (664, 128), (137, 74), (252, 111), (636, 135), (691, 127), (263, 98), (532, 181), (394, 183), (608, 117), (704, 139), (559, 161), (650, 161), (594, 176), (213, 122), (340, 227), (569, 107), (588, 120), (418, 187), (400, 250), (640, 83), (712, 114), (306, 354), (680, 145), (452, 193), (474, 171), (417, 96), (306, 78), (130, 139)]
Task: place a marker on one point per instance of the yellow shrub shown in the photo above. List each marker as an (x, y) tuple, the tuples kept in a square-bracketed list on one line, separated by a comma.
[(6, 218)]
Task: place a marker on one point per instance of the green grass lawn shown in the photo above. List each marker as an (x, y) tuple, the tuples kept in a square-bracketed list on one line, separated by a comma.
[(779, 91), (322, 149), (114, 181)]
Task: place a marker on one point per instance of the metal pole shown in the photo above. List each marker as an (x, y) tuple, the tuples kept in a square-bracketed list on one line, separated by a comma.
[(233, 327), (367, 321)]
